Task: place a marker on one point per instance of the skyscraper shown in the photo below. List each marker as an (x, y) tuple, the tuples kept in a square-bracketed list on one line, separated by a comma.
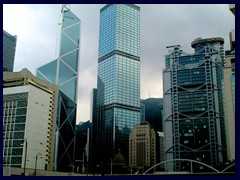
[(63, 71), (93, 132), (193, 111), (9, 48), (118, 87), (228, 85)]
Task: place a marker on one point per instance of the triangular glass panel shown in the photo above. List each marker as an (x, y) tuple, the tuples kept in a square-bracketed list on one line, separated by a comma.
[(49, 71), (73, 32), (67, 45), (40, 76), (72, 60), (69, 18), (69, 89), (64, 114), (65, 73)]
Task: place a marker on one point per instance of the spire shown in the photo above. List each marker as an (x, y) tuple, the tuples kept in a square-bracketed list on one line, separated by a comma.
[(65, 7)]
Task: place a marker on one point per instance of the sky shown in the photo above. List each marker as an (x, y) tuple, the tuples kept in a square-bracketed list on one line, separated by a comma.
[(36, 27)]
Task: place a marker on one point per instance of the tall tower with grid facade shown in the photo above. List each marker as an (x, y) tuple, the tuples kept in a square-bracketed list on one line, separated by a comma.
[(63, 71), (118, 86), (193, 111)]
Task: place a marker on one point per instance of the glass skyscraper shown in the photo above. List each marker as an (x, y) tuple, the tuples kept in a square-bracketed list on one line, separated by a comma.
[(193, 111), (64, 72), (93, 133), (9, 48), (118, 87)]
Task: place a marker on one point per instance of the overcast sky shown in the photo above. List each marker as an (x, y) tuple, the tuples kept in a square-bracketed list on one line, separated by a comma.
[(36, 27)]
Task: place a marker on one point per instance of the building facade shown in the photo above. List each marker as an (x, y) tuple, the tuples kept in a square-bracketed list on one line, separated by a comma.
[(142, 112), (161, 148), (142, 146), (92, 132), (9, 49), (64, 72), (232, 33), (193, 111), (118, 85), (81, 148), (153, 112), (29, 121), (228, 85)]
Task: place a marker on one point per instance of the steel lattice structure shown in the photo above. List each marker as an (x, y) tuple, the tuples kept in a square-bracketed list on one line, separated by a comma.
[(63, 71), (193, 114)]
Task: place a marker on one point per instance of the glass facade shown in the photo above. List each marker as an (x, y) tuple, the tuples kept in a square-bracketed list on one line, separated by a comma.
[(93, 133), (64, 72), (193, 110), (9, 48), (14, 120), (120, 75), (118, 96)]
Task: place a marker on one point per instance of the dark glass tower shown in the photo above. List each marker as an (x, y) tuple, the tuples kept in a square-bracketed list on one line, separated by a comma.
[(64, 72), (193, 111), (118, 89), (9, 48), (93, 133)]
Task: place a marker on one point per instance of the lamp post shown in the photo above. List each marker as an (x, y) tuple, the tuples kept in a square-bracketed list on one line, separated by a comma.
[(25, 158), (35, 170)]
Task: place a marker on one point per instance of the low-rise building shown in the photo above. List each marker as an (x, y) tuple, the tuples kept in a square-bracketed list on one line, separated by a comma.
[(29, 121), (142, 146)]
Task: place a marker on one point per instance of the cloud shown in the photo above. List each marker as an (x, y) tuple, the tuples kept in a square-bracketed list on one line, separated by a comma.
[(36, 27), (165, 25)]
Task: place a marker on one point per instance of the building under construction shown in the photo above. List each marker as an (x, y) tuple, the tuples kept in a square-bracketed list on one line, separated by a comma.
[(193, 112)]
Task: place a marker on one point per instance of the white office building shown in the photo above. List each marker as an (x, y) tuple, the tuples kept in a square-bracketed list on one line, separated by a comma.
[(29, 121)]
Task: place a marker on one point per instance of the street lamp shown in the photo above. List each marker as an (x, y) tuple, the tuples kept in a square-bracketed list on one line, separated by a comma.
[(35, 170), (25, 158)]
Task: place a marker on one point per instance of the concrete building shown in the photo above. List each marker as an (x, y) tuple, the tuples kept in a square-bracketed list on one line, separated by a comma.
[(63, 72), (228, 85), (142, 146), (161, 148), (193, 110), (118, 84), (9, 49), (29, 121), (232, 33)]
